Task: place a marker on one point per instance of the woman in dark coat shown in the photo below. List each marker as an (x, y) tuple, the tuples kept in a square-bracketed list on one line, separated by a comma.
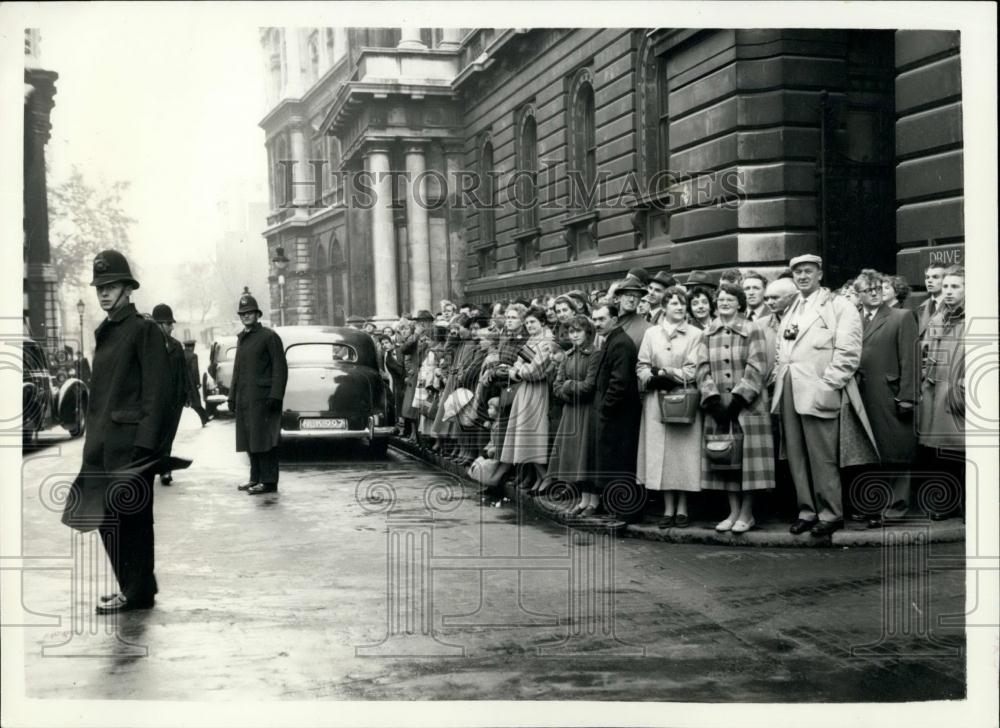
[(888, 378), (574, 386)]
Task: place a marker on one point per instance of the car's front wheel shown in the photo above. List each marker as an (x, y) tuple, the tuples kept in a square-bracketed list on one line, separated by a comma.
[(79, 424)]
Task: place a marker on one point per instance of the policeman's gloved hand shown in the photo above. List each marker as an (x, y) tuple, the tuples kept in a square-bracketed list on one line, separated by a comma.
[(904, 408), (273, 404)]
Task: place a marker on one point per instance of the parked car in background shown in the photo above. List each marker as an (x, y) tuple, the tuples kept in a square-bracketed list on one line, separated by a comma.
[(50, 395), (218, 375), (336, 387)]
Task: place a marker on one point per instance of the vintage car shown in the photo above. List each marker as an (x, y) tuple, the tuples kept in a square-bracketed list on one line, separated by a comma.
[(49, 397), (219, 373), (337, 387)]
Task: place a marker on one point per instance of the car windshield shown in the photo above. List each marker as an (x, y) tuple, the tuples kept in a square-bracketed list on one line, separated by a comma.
[(319, 354), (230, 354)]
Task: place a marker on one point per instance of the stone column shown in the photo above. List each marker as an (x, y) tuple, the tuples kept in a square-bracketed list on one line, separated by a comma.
[(383, 238), (302, 191), (417, 230), (451, 39), (409, 39), (456, 220)]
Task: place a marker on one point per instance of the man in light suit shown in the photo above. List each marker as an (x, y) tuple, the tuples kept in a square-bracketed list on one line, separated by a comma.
[(819, 350)]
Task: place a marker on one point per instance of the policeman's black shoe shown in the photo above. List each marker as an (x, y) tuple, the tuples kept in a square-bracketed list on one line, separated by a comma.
[(121, 604), (801, 526), (876, 522), (937, 516), (109, 597), (825, 528), (262, 488), (247, 486), (860, 517), (166, 479)]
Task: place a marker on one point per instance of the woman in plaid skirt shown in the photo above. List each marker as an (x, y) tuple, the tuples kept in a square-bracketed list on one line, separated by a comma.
[(731, 365)]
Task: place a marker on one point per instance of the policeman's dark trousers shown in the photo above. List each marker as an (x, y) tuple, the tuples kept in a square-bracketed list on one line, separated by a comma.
[(128, 540), (812, 445), (170, 428), (264, 467), (196, 406)]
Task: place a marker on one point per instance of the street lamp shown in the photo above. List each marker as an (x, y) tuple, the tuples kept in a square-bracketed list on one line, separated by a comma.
[(80, 306), (280, 263)]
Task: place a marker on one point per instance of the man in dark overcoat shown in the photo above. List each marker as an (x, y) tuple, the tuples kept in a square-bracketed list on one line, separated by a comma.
[(413, 347), (888, 377), (126, 412), (260, 373), (193, 382), (163, 316), (616, 417)]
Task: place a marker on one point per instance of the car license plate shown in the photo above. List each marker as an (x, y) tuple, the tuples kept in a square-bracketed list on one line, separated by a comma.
[(324, 423)]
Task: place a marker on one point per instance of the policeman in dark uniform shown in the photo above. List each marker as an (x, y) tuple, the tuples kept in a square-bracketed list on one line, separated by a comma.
[(193, 382), (126, 415), (177, 387), (260, 373)]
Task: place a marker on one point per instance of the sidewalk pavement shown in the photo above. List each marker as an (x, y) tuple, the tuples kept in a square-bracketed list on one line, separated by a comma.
[(766, 534)]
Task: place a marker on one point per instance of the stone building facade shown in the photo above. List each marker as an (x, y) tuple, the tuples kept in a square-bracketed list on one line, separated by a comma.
[(41, 307), (600, 150)]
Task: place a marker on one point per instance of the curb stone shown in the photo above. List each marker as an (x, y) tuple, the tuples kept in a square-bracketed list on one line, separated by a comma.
[(765, 535)]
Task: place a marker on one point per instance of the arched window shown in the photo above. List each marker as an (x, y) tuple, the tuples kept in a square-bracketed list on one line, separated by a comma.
[(527, 168), (582, 141), (279, 170), (486, 249), (653, 123)]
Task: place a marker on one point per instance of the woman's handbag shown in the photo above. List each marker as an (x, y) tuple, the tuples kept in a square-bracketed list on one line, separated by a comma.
[(724, 451), (679, 406), (429, 407)]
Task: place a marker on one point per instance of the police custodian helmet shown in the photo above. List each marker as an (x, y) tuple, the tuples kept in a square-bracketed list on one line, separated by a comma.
[(110, 266), (248, 304), (163, 314)]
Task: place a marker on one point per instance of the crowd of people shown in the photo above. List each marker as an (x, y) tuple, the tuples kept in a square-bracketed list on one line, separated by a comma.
[(654, 385)]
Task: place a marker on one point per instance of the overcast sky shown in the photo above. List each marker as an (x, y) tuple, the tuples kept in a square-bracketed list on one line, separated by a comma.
[(171, 106)]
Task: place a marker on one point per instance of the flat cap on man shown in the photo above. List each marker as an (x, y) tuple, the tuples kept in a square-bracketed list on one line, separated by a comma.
[(807, 258)]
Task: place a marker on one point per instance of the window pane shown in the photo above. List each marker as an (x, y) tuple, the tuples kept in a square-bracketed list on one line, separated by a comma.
[(319, 354)]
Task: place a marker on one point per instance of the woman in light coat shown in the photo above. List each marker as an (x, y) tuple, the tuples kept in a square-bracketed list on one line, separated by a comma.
[(669, 458), (527, 437)]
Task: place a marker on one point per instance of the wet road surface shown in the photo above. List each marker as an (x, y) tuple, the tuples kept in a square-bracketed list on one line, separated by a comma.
[(366, 579)]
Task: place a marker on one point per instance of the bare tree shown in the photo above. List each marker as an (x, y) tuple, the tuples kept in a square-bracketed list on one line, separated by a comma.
[(198, 290), (83, 220)]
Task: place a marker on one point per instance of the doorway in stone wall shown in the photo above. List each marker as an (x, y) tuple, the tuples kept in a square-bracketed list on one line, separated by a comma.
[(856, 165)]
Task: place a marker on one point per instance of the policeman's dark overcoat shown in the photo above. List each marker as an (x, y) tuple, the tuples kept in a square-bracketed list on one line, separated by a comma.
[(193, 379), (127, 408), (260, 372), (178, 372)]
